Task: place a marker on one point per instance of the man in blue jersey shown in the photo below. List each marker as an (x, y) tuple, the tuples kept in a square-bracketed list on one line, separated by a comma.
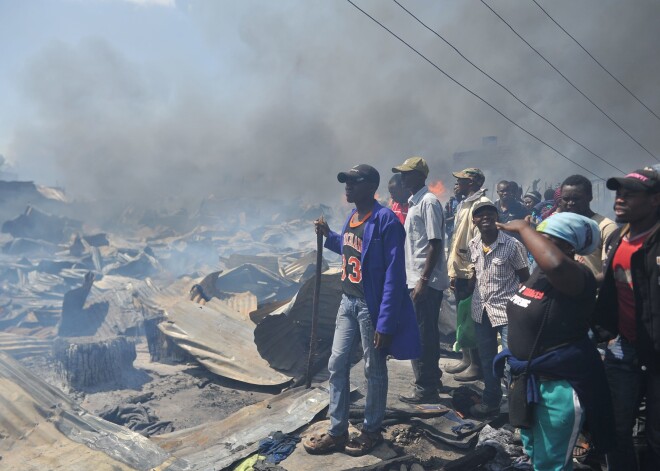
[(375, 308)]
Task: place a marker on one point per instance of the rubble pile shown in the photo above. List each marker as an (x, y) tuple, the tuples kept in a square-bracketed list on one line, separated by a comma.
[(190, 328), (99, 292)]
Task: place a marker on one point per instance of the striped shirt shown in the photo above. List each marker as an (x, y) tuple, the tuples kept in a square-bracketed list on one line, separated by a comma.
[(495, 270)]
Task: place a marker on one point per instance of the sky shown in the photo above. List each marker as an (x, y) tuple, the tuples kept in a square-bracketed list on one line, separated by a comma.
[(152, 102)]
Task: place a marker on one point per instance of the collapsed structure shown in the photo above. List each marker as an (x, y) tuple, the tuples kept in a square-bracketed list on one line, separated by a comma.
[(186, 330)]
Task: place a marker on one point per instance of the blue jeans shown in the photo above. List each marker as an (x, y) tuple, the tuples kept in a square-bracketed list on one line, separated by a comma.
[(353, 323), (426, 368), (487, 344)]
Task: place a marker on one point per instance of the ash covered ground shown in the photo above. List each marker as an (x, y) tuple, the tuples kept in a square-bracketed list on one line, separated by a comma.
[(190, 328)]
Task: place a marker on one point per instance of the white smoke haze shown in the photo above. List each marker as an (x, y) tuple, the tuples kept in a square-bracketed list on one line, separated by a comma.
[(293, 92)]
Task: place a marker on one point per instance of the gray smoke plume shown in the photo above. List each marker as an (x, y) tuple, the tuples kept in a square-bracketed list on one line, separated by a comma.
[(298, 91)]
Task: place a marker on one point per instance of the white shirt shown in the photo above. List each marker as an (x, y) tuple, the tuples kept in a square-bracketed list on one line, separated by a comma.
[(425, 222), (497, 281)]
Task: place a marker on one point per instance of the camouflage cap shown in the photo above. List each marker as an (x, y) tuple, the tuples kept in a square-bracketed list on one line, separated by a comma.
[(413, 163), (472, 173)]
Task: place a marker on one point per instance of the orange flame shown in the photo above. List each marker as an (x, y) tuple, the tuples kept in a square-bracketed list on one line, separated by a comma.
[(438, 189)]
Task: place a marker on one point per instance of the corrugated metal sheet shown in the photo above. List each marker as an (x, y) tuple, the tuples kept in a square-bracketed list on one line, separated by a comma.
[(282, 337), (216, 445), (222, 340), (42, 428), (269, 262), (19, 346), (303, 267), (264, 284), (111, 308), (244, 303)]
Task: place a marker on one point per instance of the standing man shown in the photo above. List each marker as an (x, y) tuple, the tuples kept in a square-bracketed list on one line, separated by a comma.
[(628, 313), (450, 213), (399, 196), (460, 267), (375, 308), (576, 194), (500, 265), (509, 205), (426, 271)]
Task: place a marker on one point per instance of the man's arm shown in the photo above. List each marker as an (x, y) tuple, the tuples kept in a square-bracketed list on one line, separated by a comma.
[(393, 236), (434, 222), (432, 257), (519, 261), (333, 241)]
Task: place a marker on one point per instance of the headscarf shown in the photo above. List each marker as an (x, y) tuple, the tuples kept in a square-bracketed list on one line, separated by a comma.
[(534, 195), (545, 214), (579, 231)]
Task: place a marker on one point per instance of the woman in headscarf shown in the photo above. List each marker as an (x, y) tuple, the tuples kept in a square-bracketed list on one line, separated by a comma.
[(548, 324), (531, 199), (556, 198)]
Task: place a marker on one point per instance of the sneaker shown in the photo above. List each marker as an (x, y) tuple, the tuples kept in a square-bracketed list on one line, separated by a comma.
[(483, 410)]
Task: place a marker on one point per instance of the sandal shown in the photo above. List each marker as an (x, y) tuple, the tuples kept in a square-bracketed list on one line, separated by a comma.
[(363, 443), (582, 449), (323, 442)]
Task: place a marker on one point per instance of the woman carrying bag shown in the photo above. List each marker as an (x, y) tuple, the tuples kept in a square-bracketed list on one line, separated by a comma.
[(558, 376)]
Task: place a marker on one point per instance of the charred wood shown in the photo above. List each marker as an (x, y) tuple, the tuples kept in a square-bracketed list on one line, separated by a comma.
[(86, 363)]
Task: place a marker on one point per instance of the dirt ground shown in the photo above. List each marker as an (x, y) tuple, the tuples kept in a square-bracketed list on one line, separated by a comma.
[(188, 395)]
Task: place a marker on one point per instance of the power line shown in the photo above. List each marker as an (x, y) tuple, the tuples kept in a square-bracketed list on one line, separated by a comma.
[(506, 89), (596, 60), (571, 83), (470, 91)]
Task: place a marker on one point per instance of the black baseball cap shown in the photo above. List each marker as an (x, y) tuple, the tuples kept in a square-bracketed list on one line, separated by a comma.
[(646, 179), (360, 173)]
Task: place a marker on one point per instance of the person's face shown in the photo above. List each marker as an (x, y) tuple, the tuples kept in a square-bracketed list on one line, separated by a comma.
[(358, 191), (463, 185), (411, 180), (574, 199), (456, 189), (505, 193), (529, 203), (485, 219), (398, 193), (632, 206)]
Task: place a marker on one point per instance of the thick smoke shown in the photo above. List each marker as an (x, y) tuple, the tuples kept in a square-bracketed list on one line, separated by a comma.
[(298, 91)]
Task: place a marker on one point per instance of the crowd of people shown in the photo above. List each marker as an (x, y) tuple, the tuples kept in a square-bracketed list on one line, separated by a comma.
[(572, 298)]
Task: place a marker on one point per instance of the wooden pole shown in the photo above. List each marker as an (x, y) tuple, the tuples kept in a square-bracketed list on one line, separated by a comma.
[(315, 308)]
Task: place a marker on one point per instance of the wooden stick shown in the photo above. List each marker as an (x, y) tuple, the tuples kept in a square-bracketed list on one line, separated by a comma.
[(315, 308)]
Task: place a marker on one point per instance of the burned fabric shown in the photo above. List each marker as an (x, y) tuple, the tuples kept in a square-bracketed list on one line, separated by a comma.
[(137, 418), (277, 446), (508, 446)]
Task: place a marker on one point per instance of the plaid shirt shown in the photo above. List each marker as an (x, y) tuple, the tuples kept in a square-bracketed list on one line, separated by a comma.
[(496, 276)]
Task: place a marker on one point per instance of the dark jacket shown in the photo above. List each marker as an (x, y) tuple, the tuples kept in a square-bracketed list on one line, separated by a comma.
[(645, 271), (384, 280), (578, 363)]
